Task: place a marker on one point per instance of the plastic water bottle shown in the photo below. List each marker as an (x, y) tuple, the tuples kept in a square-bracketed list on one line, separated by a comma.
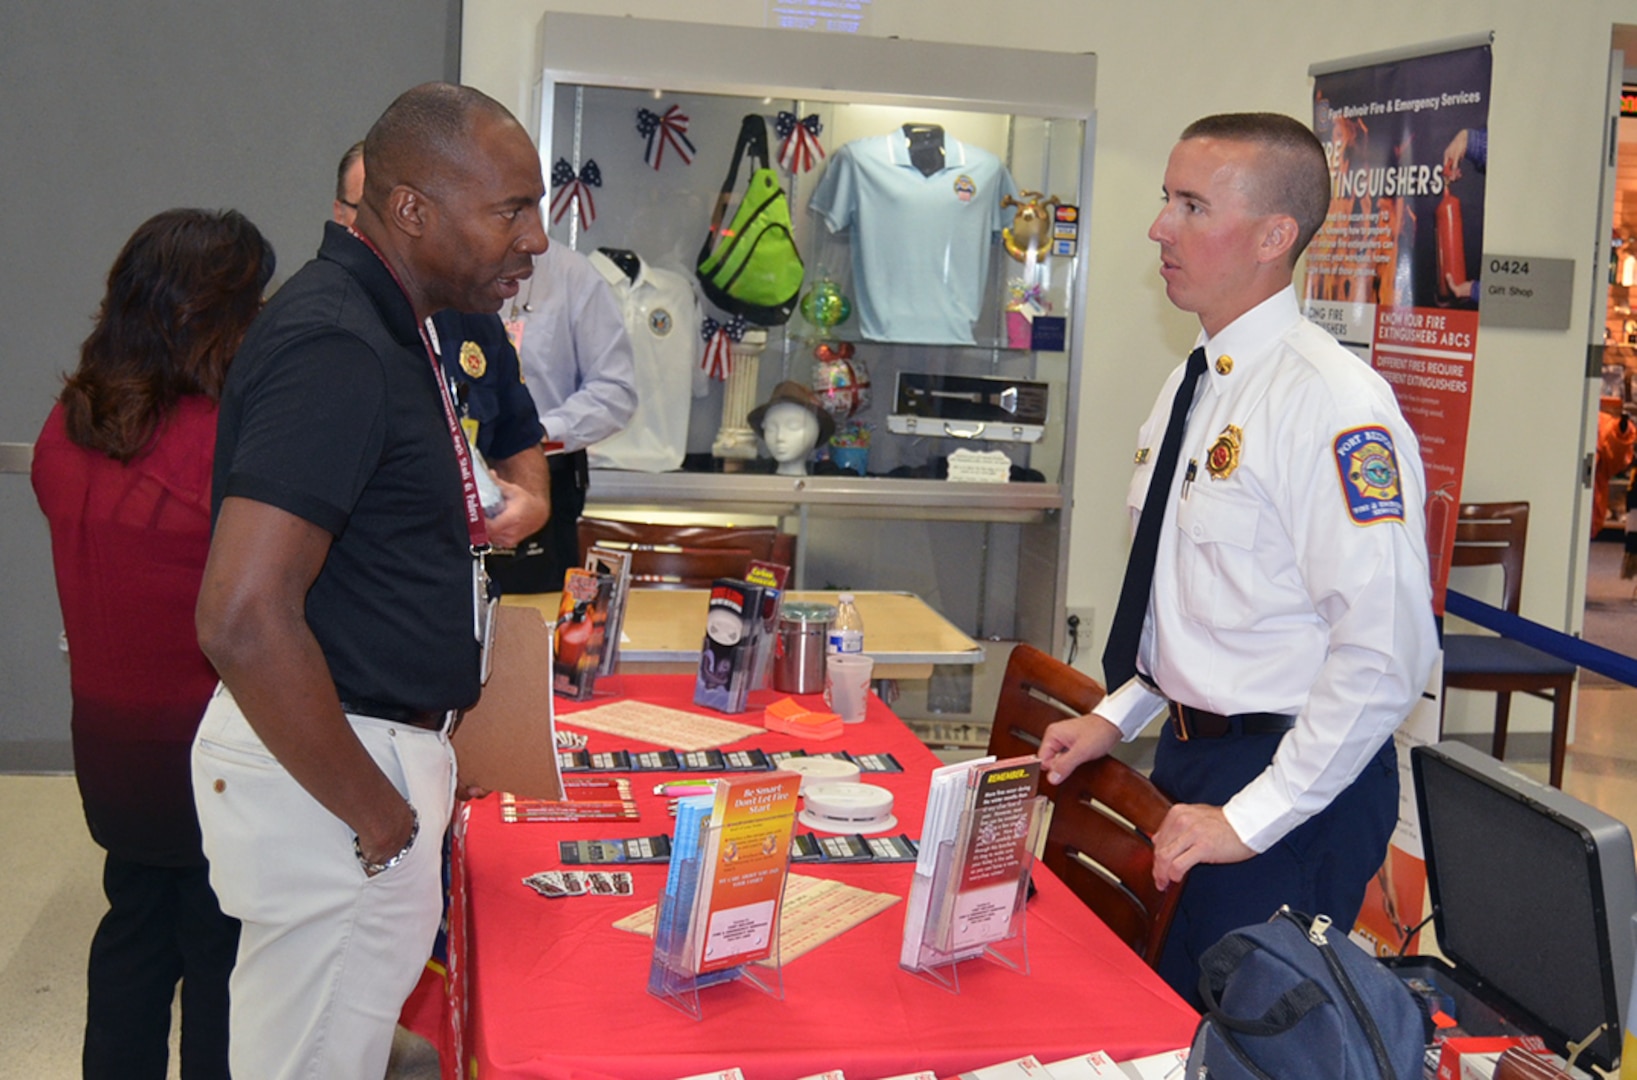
[(847, 632)]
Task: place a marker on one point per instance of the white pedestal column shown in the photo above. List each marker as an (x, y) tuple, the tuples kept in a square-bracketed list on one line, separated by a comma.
[(735, 441)]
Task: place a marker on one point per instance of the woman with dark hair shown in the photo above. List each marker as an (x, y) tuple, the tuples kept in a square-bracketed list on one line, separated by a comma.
[(122, 471)]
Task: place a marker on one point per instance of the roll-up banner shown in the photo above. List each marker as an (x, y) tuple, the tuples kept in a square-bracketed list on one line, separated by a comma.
[(1395, 272), (1395, 275)]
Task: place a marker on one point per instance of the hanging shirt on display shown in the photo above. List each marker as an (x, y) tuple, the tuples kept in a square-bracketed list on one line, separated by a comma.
[(921, 241), (661, 313)]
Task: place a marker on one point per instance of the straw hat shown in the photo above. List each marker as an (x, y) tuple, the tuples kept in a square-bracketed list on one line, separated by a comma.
[(794, 393)]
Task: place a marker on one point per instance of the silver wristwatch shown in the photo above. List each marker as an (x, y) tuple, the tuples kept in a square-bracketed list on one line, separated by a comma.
[(373, 868)]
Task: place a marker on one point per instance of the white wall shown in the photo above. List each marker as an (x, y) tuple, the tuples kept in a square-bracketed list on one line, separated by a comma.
[(1162, 64)]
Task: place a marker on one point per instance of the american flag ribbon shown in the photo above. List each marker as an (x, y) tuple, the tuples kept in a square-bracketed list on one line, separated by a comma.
[(662, 130), (719, 338), (574, 190), (800, 143)]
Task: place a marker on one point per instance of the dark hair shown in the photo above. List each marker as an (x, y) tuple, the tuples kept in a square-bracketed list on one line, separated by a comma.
[(1296, 179), (181, 295), (354, 152), (422, 137)]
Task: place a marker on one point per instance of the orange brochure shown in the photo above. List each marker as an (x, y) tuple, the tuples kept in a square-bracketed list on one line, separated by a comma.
[(745, 862)]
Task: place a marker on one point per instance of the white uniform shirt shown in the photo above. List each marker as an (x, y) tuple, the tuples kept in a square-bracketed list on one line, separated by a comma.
[(661, 313), (921, 245), (575, 353), (1284, 586)]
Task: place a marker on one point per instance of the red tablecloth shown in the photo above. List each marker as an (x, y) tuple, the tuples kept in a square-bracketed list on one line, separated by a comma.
[(556, 991)]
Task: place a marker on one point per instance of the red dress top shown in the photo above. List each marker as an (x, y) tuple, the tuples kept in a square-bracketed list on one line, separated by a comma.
[(128, 543)]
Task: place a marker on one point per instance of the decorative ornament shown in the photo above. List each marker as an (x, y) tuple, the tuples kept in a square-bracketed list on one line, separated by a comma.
[(825, 306), (575, 190), (800, 140), (841, 382), (1031, 227), (719, 338), (665, 129)]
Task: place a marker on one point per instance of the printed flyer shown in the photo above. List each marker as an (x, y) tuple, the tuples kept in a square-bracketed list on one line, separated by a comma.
[(1396, 272)]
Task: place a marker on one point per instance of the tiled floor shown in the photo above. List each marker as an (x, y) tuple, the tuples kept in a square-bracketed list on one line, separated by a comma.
[(52, 895)]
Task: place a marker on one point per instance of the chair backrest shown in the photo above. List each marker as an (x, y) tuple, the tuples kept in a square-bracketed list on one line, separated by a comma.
[(761, 541), (1036, 692), (1104, 814), (1494, 534), (1101, 844), (673, 567)]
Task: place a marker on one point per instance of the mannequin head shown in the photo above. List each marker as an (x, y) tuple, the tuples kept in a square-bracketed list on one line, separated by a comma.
[(790, 432), (791, 423)]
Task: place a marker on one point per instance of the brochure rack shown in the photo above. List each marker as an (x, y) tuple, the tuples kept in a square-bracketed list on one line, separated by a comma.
[(682, 933), (976, 904)]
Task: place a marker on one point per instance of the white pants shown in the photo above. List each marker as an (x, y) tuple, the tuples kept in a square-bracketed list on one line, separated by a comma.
[(326, 955)]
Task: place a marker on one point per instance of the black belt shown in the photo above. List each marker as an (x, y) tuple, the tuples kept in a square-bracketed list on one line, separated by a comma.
[(573, 463), (1191, 723), (397, 714)]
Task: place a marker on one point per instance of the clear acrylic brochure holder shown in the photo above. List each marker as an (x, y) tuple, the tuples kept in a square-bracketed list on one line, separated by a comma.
[(674, 976), (969, 919)]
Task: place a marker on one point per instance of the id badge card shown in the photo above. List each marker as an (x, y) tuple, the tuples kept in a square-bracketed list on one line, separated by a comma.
[(483, 618)]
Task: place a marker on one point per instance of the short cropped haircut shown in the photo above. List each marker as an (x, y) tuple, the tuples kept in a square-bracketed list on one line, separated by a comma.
[(421, 139), (1294, 175), (353, 154)]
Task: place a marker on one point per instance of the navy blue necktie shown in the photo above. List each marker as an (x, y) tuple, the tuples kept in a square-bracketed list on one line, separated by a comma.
[(1125, 632)]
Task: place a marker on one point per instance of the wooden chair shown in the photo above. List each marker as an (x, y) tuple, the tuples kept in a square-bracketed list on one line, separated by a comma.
[(1494, 534), (756, 541), (668, 566), (1104, 814)]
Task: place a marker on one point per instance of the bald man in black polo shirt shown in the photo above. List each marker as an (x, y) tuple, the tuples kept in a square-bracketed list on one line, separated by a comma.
[(342, 600)]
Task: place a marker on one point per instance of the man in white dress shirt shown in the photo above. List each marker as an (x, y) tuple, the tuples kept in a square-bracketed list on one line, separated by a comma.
[(577, 363), (1289, 629)]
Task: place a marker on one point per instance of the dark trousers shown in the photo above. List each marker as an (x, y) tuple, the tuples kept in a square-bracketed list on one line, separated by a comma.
[(1320, 868), (163, 927), (538, 564)]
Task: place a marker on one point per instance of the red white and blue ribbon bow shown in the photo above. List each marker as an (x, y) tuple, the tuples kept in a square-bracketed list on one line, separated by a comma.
[(800, 141), (575, 191), (718, 360), (669, 129)]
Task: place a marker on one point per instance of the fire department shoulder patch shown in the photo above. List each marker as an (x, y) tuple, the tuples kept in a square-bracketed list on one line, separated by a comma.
[(1368, 465)]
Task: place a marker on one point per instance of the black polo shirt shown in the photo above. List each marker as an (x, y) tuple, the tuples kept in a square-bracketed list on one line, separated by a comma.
[(332, 412)]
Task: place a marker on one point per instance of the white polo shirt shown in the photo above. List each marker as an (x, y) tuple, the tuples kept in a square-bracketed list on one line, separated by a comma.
[(921, 244), (661, 313)]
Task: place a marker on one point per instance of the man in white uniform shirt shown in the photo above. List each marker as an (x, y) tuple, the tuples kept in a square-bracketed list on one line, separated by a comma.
[(576, 357), (1289, 626)]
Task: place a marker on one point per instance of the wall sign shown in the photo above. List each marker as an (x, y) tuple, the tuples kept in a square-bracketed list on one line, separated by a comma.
[(1527, 292)]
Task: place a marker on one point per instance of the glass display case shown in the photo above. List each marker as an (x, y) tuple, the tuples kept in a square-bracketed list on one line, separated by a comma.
[(923, 277)]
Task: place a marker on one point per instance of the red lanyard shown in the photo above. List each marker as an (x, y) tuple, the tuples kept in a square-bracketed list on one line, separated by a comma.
[(476, 528)]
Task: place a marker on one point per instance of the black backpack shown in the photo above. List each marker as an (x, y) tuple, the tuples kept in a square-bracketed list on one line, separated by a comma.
[(1294, 999)]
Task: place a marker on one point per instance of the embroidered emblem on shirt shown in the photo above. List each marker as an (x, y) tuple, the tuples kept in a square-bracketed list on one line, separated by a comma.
[(1142, 456), (472, 360), (1368, 465), (1223, 456), (965, 188), (1224, 364), (659, 322)]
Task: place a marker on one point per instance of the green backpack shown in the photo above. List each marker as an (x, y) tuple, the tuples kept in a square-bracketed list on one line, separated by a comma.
[(752, 267)]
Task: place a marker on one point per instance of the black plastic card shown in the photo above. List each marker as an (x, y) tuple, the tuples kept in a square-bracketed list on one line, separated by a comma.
[(877, 763), (573, 761), (845, 849), (636, 849), (653, 760), (836, 755), (611, 761), (779, 757), (746, 761), (804, 847), (898, 848), (701, 761)]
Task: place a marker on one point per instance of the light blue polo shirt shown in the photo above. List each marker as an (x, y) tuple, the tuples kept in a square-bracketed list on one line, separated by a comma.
[(921, 244)]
